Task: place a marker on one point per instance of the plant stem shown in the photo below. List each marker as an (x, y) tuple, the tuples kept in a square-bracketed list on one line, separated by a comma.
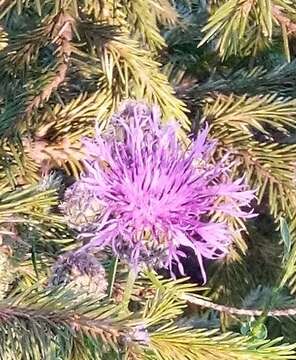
[(153, 278), (132, 276), (236, 311), (112, 276)]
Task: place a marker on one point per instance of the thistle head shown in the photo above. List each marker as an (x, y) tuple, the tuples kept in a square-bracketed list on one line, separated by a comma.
[(80, 272), (156, 196), (80, 208)]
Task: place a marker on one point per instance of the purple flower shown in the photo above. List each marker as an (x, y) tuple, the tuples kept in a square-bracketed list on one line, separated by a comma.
[(157, 196)]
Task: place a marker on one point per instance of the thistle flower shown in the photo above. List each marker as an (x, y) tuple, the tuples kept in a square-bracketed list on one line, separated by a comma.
[(81, 272), (80, 207), (156, 196)]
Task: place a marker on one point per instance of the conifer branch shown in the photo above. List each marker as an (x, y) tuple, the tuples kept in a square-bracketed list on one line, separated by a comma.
[(58, 321), (102, 328), (246, 27), (139, 76), (63, 153), (61, 34), (280, 80)]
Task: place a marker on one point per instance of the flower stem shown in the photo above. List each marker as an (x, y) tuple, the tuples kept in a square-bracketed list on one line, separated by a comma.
[(132, 276), (112, 276)]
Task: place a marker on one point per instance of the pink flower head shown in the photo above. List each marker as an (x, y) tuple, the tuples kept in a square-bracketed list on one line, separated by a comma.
[(157, 196)]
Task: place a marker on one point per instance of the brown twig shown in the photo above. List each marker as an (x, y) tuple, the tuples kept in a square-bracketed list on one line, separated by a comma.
[(236, 311), (61, 33)]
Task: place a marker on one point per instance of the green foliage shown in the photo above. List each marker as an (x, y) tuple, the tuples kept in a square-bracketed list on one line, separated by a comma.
[(246, 27), (65, 66), (76, 59), (59, 330)]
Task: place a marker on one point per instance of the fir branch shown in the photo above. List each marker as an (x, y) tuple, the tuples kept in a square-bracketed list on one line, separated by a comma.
[(137, 75), (16, 169), (246, 27), (22, 49), (76, 118), (61, 33), (31, 200), (57, 321), (279, 80), (171, 343), (3, 39), (101, 328), (58, 33), (264, 114), (6, 269), (55, 315), (63, 153), (289, 269), (142, 21), (49, 147), (155, 87)]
